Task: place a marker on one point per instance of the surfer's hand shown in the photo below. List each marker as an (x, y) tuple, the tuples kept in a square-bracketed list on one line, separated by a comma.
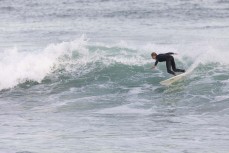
[(153, 67)]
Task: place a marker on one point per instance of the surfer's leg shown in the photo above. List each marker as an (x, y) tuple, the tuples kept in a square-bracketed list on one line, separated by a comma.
[(168, 66), (174, 66)]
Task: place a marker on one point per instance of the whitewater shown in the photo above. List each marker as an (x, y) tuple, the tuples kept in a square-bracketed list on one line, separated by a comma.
[(76, 76)]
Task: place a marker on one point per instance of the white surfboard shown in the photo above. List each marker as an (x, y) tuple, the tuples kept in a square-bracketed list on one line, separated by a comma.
[(173, 79)]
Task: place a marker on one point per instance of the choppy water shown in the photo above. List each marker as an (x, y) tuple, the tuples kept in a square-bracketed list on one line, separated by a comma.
[(76, 76)]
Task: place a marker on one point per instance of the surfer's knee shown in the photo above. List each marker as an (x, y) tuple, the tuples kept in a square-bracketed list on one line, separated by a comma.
[(171, 72)]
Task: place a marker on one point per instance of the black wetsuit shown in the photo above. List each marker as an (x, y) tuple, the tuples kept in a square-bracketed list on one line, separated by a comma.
[(168, 58)]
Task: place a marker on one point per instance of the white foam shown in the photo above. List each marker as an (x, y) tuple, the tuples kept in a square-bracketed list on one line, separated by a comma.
[(17, 67), (126, 109)]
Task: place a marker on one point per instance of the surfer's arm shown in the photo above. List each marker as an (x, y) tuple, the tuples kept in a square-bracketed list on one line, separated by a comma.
[(170, 53), (154, 66), (156, 63)]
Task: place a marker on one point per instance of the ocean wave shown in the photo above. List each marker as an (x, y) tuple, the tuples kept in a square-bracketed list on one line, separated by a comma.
[(78, 58)]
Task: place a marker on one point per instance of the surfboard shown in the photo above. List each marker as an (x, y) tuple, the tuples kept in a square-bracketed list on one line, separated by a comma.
[(173, 79)]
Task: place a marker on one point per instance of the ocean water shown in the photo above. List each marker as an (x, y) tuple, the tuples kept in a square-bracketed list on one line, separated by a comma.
[(76, 76)]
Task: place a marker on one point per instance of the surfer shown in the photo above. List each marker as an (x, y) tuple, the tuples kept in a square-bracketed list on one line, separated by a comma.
[(168, 58)]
